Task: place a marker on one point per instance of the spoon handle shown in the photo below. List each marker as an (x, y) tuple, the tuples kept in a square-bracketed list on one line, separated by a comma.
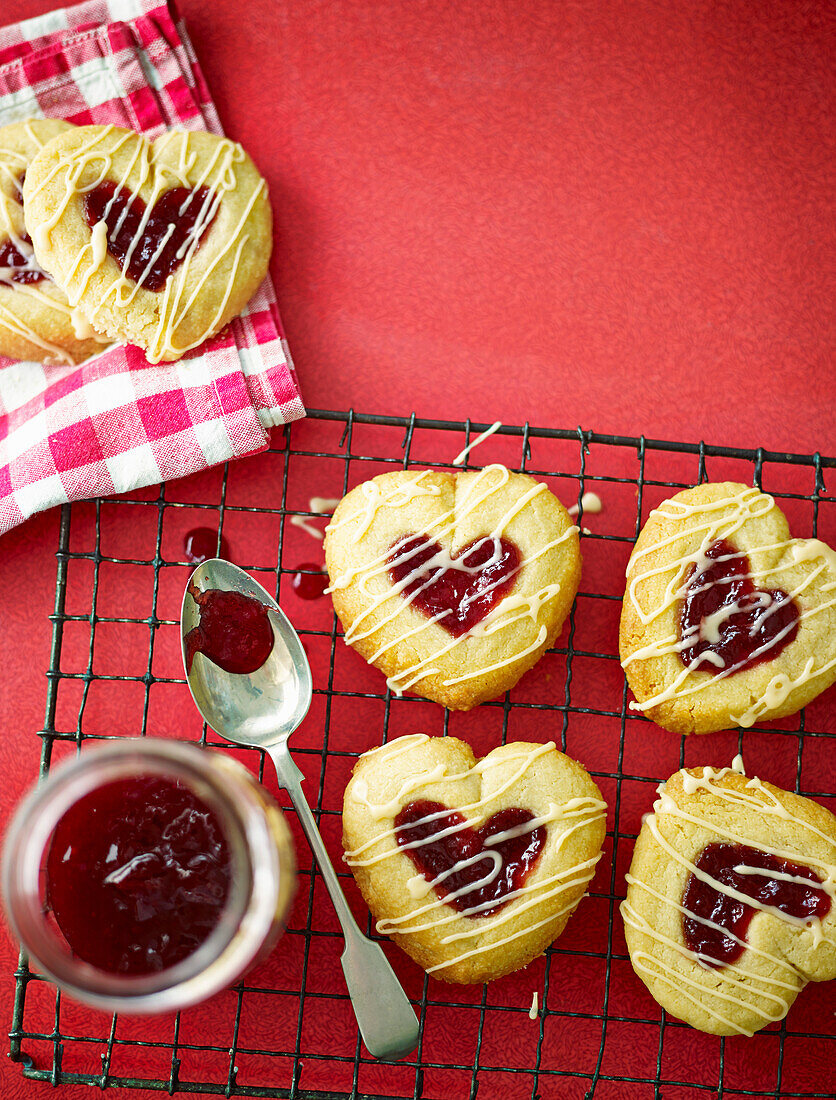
[(384, 1015)]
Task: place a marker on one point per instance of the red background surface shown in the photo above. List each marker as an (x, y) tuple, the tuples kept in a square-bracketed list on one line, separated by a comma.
[(614, 215)]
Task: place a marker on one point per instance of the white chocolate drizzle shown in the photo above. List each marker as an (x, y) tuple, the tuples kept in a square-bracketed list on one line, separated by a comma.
[(218, 176), (569, 818), (714, 521), (460, 458), (305, 523), (315, 504), (764, 997), (591, 504), (511, 609)]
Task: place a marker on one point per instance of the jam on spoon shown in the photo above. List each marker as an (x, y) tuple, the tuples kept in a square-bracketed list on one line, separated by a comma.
[(467, 591), (137, 875), (435, 854), (722, 862), (234, 631), (746, 625)]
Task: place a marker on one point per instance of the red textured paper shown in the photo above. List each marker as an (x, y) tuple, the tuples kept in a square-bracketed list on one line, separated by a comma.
[(612, 214)]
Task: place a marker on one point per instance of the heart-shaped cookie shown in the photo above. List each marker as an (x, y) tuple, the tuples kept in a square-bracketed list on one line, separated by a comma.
[(726, 619), (731, 900), (474, 867), (158, 243), (452, 584), (36, 320)]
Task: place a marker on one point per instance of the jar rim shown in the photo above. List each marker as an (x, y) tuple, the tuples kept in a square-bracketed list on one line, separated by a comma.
[(248, 914)]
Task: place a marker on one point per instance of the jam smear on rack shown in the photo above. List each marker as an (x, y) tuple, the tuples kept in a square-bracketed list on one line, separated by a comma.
[(201, 543), (764, 621), (233, 632), (309, 582), (21, 266), (722, 862), (480, 576), (172, 219), (137, 875), (436, 854)]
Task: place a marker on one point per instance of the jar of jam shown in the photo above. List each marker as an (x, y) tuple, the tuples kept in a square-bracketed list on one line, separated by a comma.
[(147, 875)]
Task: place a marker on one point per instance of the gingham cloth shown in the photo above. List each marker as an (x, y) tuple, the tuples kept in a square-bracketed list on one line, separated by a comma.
[(117, 422)]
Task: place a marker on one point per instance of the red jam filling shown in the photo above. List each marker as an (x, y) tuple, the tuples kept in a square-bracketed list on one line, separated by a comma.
[(480, 576), (22, 269), (765, 621), (201, 543), (309, 582), (137, 875), (703, 900), (234, 631), (176, 212), (436, 854)]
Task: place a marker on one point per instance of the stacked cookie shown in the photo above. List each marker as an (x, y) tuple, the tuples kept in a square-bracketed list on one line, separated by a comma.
[(105, 236), (36, 318)]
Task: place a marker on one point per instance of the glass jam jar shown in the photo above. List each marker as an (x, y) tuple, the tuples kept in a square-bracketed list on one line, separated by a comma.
[(147, 796)]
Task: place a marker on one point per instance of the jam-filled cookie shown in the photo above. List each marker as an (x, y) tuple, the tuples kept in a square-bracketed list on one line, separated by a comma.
[(473, 866), (159, 243), (730, 903), (452, 584), (726, 619), (36, 320)]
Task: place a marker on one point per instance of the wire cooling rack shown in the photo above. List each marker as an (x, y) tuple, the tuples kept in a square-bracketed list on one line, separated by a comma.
[(287, 1029)]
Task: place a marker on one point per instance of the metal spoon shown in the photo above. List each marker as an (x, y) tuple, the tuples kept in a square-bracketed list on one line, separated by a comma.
[(262, 709)]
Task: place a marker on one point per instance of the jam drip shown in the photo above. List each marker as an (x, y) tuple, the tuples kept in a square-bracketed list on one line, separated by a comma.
[(138, 873), (703, 900), (763, 622), (480, 576), (234, 631), (177, 212), (201, 543), (433, 857), (24, 268), (309, 582)]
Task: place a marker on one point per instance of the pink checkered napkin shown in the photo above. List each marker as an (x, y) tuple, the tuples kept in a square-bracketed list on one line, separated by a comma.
[(117, 422)]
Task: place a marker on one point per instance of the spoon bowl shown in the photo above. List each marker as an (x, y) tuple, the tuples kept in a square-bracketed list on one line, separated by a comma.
[(263, 706), (261, 709)]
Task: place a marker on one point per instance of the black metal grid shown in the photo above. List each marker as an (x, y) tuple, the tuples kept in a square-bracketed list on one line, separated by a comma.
[(543, 1081)]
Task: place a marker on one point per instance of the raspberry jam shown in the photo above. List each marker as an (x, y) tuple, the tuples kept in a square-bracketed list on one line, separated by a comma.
[(763, 622), (309, 582), (172, 219), (433, 857), (468, 591), (234, 631), (138, 873), (24, 270), (201, 543), (700, 898)]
